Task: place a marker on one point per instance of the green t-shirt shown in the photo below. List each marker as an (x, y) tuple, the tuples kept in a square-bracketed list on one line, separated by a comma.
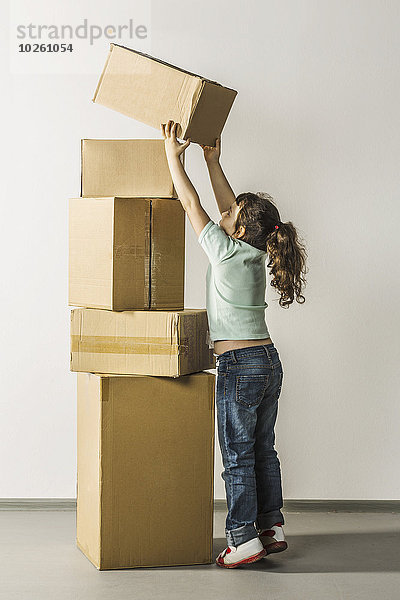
[(235, 286)]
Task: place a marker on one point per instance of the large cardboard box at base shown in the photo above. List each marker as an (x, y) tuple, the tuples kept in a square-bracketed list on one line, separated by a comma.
[(126, 253), (136, 167), (154, 342), (145, 483), (153, 91)]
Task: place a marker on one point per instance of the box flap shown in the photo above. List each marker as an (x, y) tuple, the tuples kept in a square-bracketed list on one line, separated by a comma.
[(167, 255), (131, 253)]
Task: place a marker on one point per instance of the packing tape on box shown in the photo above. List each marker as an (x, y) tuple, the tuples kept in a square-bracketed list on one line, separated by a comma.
[(110, 344)]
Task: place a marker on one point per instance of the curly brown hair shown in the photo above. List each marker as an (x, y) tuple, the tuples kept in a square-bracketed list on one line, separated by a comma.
[(257, 217)]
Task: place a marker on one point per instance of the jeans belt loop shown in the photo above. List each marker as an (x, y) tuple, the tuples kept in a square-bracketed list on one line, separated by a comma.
[(269, 356), (233, 356)]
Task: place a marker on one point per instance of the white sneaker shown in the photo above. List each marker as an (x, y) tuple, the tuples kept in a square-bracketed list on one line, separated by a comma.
[(273, 539), (245, 553)]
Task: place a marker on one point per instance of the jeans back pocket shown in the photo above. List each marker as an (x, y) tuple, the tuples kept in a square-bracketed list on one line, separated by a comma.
[(250, 389)]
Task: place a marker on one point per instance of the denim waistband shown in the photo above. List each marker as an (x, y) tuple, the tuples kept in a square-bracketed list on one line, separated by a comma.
[(238, 353)]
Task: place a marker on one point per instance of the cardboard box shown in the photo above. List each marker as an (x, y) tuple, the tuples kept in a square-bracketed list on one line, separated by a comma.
[(126, 253), (155, 342), (153, 91), (126, 168), (145, 483)]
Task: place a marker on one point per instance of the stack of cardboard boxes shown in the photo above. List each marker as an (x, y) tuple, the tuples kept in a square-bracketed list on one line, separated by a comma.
[(145, 405)]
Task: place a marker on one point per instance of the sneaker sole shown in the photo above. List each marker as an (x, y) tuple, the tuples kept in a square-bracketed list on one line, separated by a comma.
[(245, 561), (275, 547)]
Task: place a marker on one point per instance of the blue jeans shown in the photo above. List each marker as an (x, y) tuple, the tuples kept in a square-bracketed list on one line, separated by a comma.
[(249, 382)]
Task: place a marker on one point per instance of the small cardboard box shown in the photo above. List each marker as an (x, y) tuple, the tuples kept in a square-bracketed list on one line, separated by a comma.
[(126, 253), (142, 342), (126, 168), (153, 91), (145, 463)]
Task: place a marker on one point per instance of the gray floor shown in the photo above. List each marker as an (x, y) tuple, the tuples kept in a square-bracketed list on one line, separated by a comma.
[(330, 556)]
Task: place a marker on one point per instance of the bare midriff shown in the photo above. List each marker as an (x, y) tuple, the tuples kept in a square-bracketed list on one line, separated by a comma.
[(221, 346)]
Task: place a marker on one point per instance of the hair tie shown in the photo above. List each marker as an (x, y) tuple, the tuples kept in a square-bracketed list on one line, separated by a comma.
[(277, 226)]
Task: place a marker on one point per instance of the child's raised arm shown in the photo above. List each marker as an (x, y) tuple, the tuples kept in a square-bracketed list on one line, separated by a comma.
[(223, 192), (186, 192)]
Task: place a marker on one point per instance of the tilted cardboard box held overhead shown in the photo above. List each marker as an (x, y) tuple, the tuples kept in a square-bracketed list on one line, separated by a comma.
[(145, 470), (153, 91), (126, 168), (126, 253), (142, 342)]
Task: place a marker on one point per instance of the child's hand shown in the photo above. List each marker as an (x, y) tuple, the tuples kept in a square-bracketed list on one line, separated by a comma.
[(172, 146), (212, 153)]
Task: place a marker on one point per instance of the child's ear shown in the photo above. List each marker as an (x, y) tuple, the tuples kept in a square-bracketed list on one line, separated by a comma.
[(241, 232)]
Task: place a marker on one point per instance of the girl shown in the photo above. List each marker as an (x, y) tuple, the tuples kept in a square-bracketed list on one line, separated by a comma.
[(249, 370)]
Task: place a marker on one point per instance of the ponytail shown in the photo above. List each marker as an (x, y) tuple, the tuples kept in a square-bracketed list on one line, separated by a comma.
[(287, 258)]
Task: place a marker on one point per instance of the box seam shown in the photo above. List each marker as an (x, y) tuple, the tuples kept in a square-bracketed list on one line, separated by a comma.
[(150, 251)]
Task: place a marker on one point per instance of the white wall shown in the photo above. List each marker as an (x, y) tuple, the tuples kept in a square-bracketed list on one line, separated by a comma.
[(316, 125)]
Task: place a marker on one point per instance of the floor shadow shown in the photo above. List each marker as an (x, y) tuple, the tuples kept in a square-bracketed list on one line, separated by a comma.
[(330, 553)]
